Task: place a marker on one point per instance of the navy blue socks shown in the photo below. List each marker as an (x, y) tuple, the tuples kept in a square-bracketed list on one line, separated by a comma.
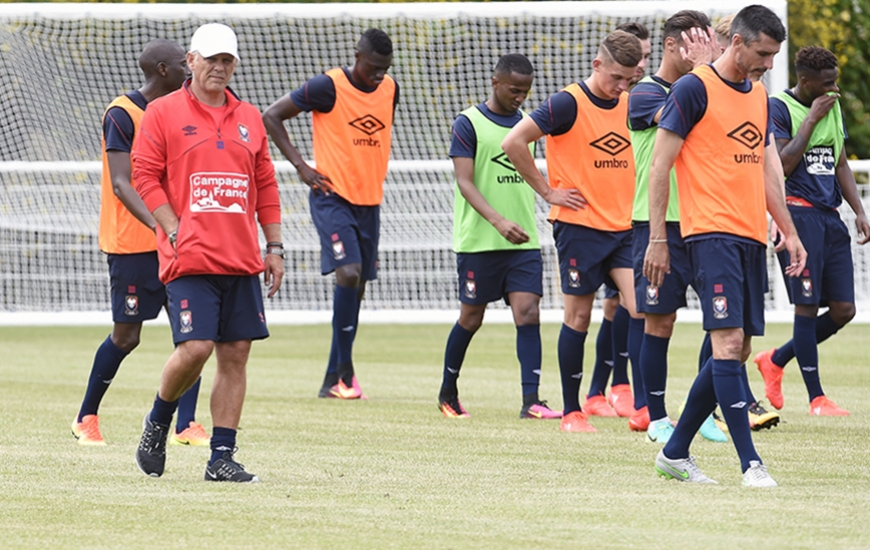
[(107, 360), (825, 327), (345, 310), (807, 352), (603, 359), (187, 407), (162, 411), (529, 355), (454, 355), (621, 350), (570, 351), (635, 341), (654, 358), (730, 394), (222, 440)]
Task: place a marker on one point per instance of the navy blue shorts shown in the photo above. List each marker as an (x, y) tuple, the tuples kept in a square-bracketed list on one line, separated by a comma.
[(220, 308), (586, 256), (348, 233), (671, 296), (730, 276), (137, 293), (485, 277), (610, 290), (829, 275)]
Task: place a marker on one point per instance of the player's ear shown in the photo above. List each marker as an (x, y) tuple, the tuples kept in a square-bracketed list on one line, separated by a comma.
[(161, 68)]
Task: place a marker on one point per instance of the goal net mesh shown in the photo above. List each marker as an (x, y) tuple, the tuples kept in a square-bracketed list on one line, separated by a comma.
[(58, 72)]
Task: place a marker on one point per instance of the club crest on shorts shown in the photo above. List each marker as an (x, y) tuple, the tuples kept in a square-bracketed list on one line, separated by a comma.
[(470, 285), (185, 320), (131, 305), (652, 295), (573, 278), (720, 307), (244, 134), (337, 248), (807, 287)]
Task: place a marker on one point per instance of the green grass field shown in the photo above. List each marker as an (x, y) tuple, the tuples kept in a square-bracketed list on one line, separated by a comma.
[(391, 472)]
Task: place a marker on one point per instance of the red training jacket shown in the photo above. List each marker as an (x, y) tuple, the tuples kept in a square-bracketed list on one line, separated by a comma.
[(212, 166)]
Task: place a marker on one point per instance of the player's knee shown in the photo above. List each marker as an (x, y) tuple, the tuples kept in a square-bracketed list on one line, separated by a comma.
[(126, 343), (471, 320), (348, 275), (842, 312), (528, 314), (660, 326)]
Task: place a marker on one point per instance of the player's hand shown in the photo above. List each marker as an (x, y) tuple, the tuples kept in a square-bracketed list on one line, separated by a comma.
[(571, 198), (697, 47), (714, 44), (863, 228), (821, 105), (797, 255), (657, 263), (274, 273), (511, 231), (315, 180), (776, 237)]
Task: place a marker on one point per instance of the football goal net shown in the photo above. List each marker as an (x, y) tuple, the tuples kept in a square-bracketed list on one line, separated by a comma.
[(62, 63)]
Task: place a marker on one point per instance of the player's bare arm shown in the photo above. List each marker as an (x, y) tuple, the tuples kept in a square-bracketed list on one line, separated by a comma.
[(273, 275), (516, 147), (166, 218), (791, 151), (273, 118), (463, 167), (850, 193), (120, 170), (775, 196), (657, 260)]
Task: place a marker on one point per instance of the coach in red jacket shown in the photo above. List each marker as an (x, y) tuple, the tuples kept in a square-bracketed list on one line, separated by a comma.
[(202, 166)]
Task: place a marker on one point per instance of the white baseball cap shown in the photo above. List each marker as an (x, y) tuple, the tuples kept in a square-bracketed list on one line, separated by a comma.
[(214, 38)]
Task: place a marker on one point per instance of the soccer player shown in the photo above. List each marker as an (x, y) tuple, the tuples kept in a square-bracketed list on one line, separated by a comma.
[(713, 126), (612, 349), (127, 238), (352, 113), (684, 50), (723, 31), (495, 236), (591, 168), (202, 168), (642, 33), (809, 132)]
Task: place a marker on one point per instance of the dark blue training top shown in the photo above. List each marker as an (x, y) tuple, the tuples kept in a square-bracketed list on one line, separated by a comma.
[(118, 127), (318, 94), (558, 113), (816, 182), (644, 101), (687, 103), (464, 143)]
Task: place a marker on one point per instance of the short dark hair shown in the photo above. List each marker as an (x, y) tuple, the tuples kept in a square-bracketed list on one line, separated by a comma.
[(683, 21), (514, 63), (377, 41), (813, 59), (752, 21), (634, 27), (622, 47)]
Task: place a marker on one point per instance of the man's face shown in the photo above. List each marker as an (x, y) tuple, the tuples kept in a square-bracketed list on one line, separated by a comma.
[(822, 83), (177, 70), (510, 91), (756, 58), (613, 78), (646, 48), (370, 68), (212, 74)]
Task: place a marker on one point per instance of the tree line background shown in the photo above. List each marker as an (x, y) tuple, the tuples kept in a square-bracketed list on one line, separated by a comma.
[(842, 26)]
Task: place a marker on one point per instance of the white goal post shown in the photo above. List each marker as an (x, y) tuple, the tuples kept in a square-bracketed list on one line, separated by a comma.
[(62, 63)]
